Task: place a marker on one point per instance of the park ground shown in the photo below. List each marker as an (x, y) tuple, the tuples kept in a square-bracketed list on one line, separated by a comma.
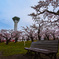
[(17, 51)]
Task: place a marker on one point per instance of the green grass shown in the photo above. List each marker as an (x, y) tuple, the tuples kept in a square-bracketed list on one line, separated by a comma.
[(58, 50), (15, 48)]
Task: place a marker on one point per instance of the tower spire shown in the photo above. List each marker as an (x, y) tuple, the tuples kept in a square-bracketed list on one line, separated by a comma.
[(16, 20)]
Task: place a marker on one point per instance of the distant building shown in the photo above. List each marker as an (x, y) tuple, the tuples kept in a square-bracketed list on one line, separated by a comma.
[(16, 20)]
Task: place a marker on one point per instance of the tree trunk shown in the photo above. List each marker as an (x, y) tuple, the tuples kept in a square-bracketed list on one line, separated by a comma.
[(31, 38), (22, 39), (47, 37), (16, 40), (39, 37), (28, 38), (0, 40), (7, 41), (53, 37)]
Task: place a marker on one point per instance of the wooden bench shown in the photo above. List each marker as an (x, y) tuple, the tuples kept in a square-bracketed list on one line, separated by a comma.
[(47, 47)]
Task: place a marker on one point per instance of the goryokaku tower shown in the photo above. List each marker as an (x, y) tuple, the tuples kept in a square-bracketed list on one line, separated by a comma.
[(16, 20)]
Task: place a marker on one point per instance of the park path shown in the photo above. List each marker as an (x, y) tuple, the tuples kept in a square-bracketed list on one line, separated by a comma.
[(19, 56)]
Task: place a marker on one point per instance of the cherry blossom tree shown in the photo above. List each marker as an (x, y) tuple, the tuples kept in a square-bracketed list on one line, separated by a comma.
[(49, 34), (16, 35), (44, 17), (10, 34), (45, 5), (7, 34), (30, 33), (0, 37)]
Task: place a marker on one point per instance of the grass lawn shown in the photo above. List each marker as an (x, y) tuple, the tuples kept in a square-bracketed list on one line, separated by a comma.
[(15, 48)]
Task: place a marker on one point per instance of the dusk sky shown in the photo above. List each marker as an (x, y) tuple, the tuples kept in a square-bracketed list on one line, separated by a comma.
[(20, 8)]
